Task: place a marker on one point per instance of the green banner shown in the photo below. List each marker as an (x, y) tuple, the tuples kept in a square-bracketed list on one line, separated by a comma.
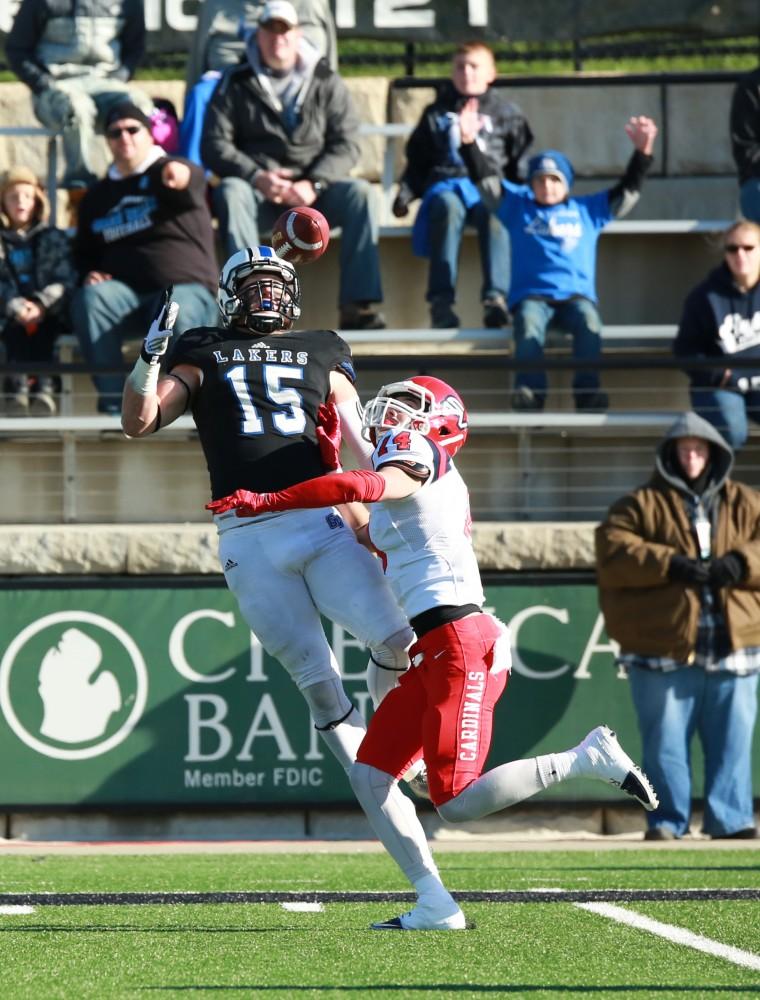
[(160, 695)]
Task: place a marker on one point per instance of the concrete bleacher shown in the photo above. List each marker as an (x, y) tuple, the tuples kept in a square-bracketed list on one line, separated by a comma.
[(518, 465)]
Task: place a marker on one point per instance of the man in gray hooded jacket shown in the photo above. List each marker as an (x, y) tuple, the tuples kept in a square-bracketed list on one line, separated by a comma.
[(77, 56), (281, 131), (678, 568)]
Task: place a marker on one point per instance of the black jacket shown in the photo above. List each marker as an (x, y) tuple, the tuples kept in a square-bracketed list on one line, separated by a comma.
[(432, 151), (245, 130), (52, 275), (720, 321)]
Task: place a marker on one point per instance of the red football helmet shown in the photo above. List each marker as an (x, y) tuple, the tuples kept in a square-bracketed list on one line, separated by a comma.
[(425, 404)]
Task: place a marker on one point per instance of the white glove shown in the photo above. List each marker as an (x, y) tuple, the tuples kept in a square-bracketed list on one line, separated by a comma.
[(162, 327), (144, 376)]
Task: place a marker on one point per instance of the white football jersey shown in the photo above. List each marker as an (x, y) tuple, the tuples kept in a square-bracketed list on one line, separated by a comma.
[(426, 536)]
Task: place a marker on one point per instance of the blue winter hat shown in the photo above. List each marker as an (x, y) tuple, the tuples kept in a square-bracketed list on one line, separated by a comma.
[(551, 161)]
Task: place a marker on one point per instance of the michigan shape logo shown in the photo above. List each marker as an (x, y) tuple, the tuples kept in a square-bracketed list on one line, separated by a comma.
[(73, 685)]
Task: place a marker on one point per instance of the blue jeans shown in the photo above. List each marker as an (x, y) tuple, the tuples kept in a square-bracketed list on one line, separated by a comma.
[(243, 213), (578, 317), (749, 199), (727, 411), (106, 313), (448, 218), (721, 708)]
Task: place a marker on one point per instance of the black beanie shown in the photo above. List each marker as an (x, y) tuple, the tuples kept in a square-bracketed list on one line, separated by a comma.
[(126, 109)]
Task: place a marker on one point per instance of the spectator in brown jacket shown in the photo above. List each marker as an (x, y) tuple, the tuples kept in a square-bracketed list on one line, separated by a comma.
[(678, 563)]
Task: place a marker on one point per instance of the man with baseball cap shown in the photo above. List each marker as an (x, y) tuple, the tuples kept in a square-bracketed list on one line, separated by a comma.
[(280, 130), (279, 10)]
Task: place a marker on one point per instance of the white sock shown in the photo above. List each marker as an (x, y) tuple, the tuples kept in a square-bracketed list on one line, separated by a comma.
[(394, 820), (556, 767), (345, 739), (513, 782), (501, 787), (431, 892)]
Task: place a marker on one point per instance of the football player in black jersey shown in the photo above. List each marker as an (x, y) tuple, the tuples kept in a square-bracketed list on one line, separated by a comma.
[(254, 386)]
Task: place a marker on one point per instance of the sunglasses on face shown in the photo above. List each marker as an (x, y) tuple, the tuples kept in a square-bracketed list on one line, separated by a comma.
[(115, 133), (736, 247)]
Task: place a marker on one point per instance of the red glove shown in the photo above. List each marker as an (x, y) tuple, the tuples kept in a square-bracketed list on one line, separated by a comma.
[(325, 491), (328, 435), (246, 503)]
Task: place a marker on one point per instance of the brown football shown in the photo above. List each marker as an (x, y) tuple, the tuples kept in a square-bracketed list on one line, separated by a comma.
[(300, 235)]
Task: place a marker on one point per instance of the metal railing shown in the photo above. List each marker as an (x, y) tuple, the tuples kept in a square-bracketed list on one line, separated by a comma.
[(554, 465)]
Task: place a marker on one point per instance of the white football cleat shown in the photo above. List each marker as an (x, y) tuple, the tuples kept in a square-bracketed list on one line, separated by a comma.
[(607, 761), (426, 917)]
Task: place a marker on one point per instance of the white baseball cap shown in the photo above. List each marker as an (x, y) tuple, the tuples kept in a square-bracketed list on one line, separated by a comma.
[(279, 10)]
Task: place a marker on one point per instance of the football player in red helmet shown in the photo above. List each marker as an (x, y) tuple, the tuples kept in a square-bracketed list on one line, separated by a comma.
[(427, 404), (443, 706)]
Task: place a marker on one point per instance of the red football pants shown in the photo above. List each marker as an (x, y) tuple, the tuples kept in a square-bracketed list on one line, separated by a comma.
[(443, 707)]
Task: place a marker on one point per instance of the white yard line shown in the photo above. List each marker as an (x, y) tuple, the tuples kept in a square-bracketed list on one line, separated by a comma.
[(13, 910), (303, 907), (678, 935)]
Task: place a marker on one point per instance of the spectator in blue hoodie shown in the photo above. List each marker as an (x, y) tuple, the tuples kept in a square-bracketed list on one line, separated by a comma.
[(554, 237), (721, 319)]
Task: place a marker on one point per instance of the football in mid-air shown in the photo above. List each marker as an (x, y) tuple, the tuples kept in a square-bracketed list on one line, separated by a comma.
[(300, 235)]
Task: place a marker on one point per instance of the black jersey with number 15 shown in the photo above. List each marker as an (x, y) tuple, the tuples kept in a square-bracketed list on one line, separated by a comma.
[(256, 409)]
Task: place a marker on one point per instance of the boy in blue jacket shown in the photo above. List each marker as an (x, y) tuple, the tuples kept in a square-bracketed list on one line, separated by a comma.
[(554, 237)]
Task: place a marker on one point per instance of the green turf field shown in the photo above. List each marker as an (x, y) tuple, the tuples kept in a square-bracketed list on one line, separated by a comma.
[(517, 949)]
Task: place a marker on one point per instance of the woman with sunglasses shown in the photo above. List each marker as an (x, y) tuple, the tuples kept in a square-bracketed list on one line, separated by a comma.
[(721, 320)]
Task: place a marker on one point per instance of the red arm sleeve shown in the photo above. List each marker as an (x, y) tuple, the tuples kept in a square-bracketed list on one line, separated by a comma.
[(343, 487)]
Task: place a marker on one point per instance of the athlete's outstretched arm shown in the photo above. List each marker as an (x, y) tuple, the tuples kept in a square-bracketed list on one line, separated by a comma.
[(346, 399), (170, 397), (148, 404), (391, 483)]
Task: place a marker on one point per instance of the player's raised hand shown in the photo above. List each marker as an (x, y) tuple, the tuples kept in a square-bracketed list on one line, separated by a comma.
[(243, 502), (161, 328), (328, 435), (642, 131)]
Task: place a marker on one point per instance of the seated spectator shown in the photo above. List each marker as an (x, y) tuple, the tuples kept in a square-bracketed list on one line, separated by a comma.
[(219, 39), (145, 226), (436, 173), (554, 237), (281, 130), (219, 42), (77, 62), (721, 319), (745, 142), (678, 567), (37, 275), (164, 125)]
